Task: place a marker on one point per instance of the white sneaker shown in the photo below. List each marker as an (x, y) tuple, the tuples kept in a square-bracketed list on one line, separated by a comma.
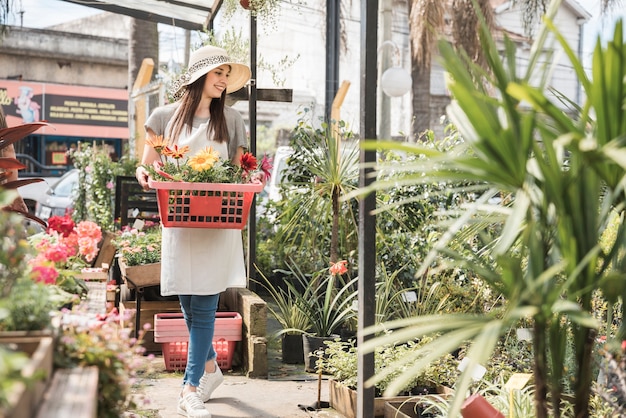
[(191, 406), (208, 383)]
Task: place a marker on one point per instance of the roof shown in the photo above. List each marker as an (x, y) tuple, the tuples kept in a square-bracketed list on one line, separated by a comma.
[(579, 11), (187, 14)]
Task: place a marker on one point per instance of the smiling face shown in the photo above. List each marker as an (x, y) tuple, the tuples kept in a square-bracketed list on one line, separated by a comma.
[(216, 81)]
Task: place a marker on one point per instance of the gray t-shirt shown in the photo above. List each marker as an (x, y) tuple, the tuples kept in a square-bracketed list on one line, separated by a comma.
[(236, 127)]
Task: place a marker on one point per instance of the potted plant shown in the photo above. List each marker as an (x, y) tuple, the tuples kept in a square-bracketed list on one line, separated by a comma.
[(326, 299), (285, 308), (341, 360), (139, 254)]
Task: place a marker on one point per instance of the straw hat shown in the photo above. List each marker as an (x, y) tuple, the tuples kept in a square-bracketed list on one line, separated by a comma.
[(205, 59)]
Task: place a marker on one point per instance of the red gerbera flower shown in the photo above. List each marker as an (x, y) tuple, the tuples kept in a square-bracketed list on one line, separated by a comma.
[(248, 162)]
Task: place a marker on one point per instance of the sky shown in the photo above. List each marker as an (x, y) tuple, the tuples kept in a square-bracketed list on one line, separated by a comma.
[(42, 13)]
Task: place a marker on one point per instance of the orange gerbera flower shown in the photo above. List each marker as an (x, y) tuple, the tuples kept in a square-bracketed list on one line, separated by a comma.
[(158, 143), (176, 152), (204, 159), (339, 267)]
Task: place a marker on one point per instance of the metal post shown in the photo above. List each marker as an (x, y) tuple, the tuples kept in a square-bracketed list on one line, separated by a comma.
[(367, 221), (332, 54), (252, 118), (385, 101)]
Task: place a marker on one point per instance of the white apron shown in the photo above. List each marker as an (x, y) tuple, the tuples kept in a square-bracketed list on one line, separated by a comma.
[(201, 261)]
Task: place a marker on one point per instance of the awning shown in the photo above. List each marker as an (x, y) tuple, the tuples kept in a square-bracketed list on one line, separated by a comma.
[(187, 14)]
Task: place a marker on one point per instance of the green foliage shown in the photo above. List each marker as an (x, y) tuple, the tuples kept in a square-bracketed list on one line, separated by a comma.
[(324, 298), (14, 248), (341, 362), (287, 306), (96, 185), (29, 306), (322, 170), (547, 184)]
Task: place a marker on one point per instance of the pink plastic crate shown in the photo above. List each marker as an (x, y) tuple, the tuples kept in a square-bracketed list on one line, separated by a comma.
[(170, 330)]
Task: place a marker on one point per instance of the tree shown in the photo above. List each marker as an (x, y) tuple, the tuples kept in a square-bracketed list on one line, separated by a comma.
[(143, 42), (426, 24)]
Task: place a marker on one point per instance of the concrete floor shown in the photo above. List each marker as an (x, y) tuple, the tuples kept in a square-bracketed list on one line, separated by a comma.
[(279, 396)]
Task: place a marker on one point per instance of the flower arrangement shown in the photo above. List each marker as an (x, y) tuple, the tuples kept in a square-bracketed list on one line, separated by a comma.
[(205, 166), (139, 246), (63, 250)]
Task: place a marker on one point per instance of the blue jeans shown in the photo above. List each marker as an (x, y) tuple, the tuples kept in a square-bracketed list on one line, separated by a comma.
[(199, 312)]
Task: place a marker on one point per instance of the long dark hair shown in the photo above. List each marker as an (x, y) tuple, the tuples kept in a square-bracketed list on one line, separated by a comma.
[(188, 105)]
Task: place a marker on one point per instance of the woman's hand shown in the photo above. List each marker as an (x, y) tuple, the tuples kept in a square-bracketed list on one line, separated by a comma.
[(142, 177)]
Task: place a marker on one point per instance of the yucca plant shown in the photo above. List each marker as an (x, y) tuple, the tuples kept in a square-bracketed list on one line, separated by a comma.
[(558, 179)]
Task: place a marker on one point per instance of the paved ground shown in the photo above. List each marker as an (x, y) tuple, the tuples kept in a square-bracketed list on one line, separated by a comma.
[(280, 396)]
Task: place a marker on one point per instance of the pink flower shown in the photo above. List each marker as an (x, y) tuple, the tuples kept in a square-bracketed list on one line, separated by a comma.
[(266, 166), (88, 248), (110, 185), (339, 267), (57, 254), (45, 274), (89, 229)]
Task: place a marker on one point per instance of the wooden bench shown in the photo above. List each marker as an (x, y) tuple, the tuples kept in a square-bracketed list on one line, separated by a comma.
[(72, 393)]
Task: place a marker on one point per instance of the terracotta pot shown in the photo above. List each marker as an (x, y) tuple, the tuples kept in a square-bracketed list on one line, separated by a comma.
[(477, 407), (245, 4)]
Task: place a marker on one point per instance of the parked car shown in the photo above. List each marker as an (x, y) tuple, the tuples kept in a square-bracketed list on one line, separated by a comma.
[(59, 198)]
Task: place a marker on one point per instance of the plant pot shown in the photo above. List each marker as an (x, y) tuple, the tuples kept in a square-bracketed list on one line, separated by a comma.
[(245, 4), (403, 409), (313, 347), (292, 349), (344, 399), (142, 275), (477, 407), (23, 399)]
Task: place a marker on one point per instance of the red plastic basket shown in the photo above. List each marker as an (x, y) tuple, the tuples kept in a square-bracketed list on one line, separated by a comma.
[(204, 205), (175, 354), (171, 331)]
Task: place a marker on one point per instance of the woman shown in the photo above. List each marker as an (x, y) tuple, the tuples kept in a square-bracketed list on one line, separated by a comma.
[(198, 264)]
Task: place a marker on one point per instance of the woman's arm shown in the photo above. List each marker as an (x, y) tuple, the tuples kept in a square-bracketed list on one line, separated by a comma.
[(237, 158)]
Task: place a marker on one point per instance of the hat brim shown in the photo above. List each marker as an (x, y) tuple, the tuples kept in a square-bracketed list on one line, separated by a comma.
[(237, 78)]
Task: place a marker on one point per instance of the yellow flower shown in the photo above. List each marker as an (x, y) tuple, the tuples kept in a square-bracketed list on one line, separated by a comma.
[(204, 159)]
